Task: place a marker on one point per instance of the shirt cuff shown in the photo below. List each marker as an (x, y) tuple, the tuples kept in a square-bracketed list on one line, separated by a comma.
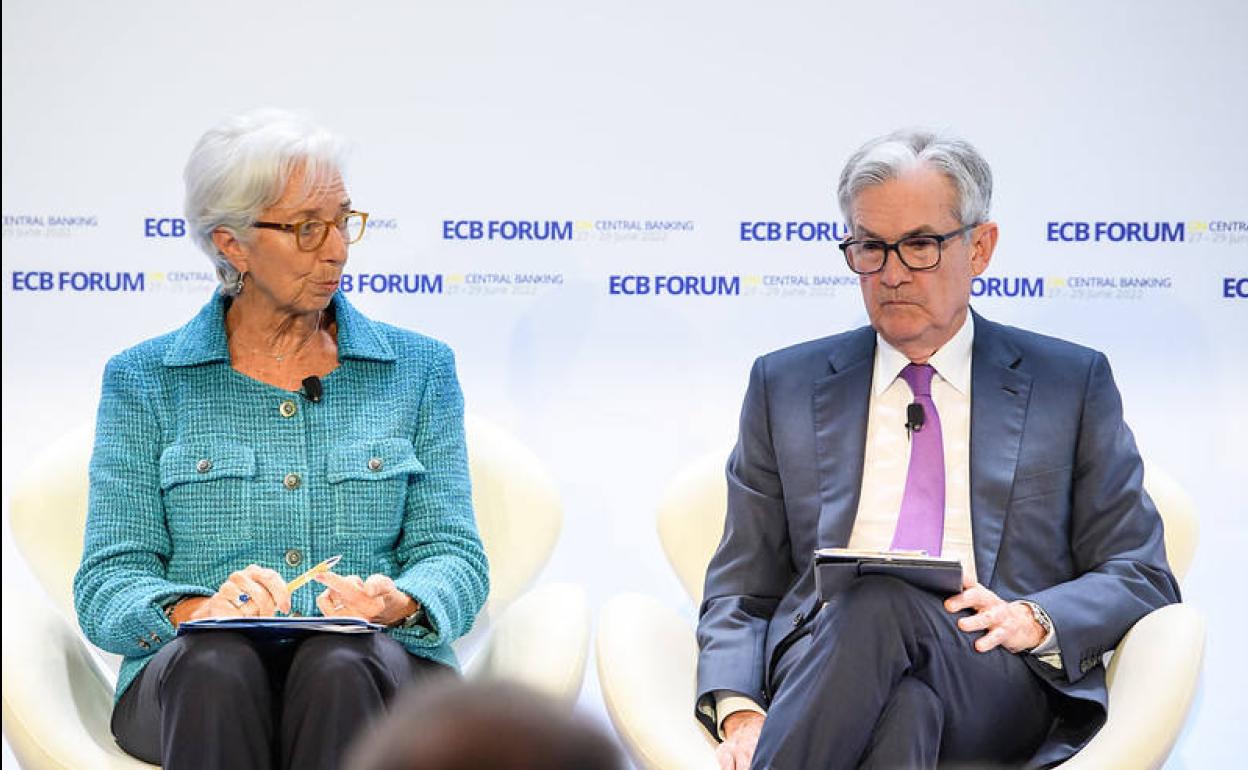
[(727, 703)]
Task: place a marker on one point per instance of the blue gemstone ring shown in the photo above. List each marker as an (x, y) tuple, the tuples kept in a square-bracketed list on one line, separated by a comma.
[(244, 598)]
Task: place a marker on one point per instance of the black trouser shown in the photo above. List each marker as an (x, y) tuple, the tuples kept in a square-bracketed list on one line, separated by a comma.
[(216, 700), (886, 679)]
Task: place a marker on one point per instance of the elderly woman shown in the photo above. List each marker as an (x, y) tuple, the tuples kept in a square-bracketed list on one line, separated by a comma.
[(278, 428)]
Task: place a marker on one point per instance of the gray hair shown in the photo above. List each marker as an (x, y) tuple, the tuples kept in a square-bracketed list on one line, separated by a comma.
[(887, 157), (241, 167)]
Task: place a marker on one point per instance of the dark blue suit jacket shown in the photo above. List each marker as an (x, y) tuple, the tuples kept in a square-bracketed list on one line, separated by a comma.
[(1058, 511)]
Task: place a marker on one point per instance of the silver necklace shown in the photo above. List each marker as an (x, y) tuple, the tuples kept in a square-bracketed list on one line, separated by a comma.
[(315, 328)]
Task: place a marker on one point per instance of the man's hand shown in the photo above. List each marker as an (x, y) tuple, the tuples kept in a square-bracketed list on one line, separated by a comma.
[(741, 729), (1008, 624)]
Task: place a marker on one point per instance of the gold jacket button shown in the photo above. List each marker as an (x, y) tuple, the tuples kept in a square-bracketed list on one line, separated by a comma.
[(288, 408), (204, 465), (292, 481), (294, 557), (375, 463)]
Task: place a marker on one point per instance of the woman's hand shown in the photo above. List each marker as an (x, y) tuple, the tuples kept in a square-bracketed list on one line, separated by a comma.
[(376, 599), (264, 589)]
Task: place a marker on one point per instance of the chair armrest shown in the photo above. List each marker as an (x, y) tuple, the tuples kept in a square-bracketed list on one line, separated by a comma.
[(57, 702), (647, 667), (541, 640), (1152, 678)]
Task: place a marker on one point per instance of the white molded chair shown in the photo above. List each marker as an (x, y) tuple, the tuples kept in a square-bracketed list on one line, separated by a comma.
[(58, 690), (647, 653)]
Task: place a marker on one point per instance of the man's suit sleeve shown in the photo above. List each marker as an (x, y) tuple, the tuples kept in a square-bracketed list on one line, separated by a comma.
[(1116, 537), (753, 566)]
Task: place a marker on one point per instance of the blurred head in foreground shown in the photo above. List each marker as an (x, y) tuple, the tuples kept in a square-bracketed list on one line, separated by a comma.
[(457, 725)]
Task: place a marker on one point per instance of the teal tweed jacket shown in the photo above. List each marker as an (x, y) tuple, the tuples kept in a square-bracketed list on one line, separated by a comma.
[(199, 470)]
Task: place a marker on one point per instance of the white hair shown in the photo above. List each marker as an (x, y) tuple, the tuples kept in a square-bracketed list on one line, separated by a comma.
[(241, 167), (887, 157)]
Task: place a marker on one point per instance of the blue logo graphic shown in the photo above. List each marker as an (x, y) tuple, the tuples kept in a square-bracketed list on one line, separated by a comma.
[(506, 230), (165, 227), (994, 286), (1116, 232), (821, 232), (1076, 287), (609, 230), (675, 285), (391, 283), (78, 281), (1235, 288)]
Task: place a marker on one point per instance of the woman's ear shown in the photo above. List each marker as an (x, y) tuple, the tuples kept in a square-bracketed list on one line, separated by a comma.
[(234, 251)]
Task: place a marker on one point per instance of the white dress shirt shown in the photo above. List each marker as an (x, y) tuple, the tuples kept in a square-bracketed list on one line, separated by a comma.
[(886, 460)]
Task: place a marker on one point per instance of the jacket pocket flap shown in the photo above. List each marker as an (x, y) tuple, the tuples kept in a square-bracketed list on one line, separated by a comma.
[(184, 463), (372, 460)]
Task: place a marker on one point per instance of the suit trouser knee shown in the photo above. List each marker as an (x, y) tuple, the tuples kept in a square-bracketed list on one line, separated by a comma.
[(215, 700), (205, 700), (336, 686), (864, 643)]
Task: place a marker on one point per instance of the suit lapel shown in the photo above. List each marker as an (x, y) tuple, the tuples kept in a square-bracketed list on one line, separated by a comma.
[(1000, 393), (840, 405)]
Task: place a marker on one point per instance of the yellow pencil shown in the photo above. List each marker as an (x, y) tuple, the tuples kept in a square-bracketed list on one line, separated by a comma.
[(308, 576)]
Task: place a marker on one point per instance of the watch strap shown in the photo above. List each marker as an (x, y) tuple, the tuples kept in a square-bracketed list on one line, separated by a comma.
[(414, 619), (1042, 619)]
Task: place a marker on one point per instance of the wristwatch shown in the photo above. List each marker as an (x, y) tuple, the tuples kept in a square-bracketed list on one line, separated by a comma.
[(1042, 618), (413, 619)]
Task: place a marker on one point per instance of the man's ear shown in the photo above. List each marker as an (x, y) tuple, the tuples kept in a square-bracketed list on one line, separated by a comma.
[(234, 251), (983, 244)]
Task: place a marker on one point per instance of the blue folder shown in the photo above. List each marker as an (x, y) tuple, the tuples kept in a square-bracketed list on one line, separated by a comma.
[(279, 630)]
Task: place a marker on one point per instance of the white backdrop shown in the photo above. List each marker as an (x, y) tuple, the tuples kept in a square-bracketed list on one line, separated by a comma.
[(656, 135)]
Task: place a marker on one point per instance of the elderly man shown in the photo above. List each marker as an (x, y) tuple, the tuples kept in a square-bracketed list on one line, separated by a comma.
[(1023, 469)]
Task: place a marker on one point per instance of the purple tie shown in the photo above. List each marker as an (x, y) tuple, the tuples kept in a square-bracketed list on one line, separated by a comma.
[(921, 524)]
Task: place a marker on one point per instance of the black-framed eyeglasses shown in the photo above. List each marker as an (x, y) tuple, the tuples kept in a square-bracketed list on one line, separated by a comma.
[(917, 252), (311, 233)]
